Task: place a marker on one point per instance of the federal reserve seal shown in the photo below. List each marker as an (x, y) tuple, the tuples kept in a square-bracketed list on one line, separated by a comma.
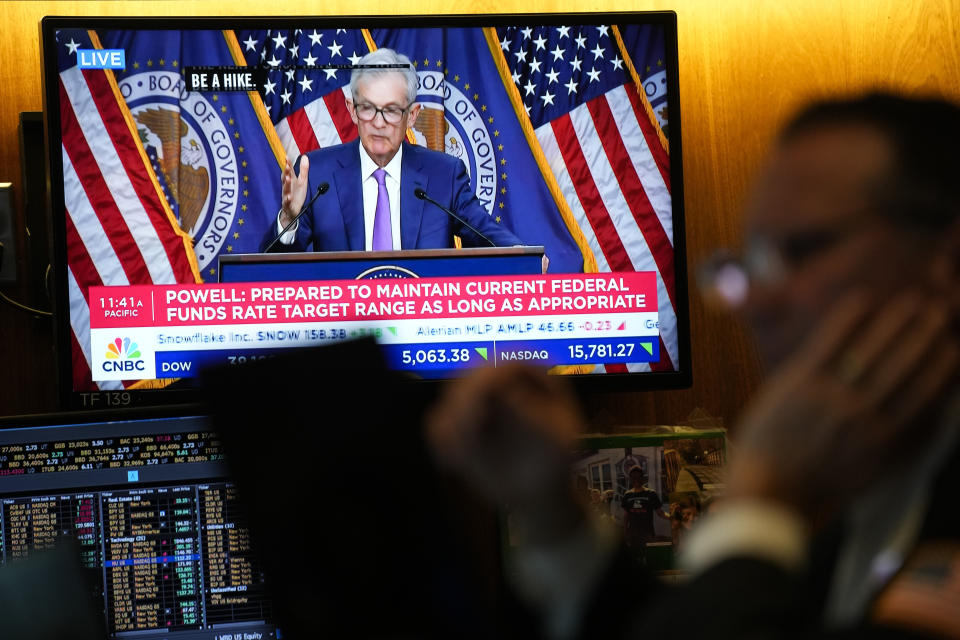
[(386, 271), (455, 121), (192, 153)]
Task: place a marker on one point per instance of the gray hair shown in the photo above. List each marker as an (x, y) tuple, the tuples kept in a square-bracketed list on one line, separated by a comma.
[(385, 56)]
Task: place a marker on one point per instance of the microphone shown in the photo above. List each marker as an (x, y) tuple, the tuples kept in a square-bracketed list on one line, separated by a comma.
[(322, 188), (422, 195)]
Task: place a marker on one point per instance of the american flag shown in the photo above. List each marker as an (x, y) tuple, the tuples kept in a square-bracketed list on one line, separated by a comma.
[(604, 149), (306, 105), (120, 229)]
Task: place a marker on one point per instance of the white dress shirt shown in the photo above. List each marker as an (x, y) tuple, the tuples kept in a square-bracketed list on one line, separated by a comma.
[(370, 193)]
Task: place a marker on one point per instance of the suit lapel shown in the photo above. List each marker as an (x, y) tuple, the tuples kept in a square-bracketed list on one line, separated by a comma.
[(349, 185), (411, 207)]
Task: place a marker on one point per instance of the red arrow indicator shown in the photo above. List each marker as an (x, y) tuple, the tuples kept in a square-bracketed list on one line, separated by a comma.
[(623, 325)]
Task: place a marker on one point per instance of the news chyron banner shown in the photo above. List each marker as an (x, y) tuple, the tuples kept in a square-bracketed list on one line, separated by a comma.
[(427, 326)]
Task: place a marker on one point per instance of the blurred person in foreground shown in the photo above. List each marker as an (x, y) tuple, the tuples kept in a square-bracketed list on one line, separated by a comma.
[(840, 516)]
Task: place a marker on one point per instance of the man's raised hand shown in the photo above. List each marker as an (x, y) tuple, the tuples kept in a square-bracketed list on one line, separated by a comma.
[(294, 190)]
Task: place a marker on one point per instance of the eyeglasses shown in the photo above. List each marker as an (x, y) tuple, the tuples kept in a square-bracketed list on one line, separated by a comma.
[(392, 114), (725, 278)]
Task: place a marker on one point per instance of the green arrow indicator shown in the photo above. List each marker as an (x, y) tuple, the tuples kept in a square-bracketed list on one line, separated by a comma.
[(482, 351), (392, 330), (647, 346)]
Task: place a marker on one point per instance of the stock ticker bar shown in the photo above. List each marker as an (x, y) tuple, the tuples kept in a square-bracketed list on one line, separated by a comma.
[(144, 332), (108, 453)]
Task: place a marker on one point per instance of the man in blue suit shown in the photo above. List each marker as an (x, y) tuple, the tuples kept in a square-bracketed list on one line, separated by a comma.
[(371, 204)]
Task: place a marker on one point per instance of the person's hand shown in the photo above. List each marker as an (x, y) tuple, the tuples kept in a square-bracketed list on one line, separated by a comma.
[(544, 263), (294, 190), (508, 431), (864, 390)]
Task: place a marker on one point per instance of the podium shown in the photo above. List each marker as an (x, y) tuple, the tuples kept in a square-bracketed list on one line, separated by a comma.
[(350, 265)]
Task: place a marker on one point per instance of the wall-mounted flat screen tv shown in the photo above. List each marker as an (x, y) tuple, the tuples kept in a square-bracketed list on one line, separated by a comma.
[(478, 190)]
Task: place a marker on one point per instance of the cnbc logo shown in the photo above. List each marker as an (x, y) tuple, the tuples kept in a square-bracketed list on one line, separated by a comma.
[(123, 355)]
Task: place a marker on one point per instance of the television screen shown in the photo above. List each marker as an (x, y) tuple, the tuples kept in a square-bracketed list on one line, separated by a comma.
[(158, 524), (537, 195)]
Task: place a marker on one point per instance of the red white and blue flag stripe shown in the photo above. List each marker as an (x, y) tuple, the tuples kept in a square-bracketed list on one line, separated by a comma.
[(119, 228)]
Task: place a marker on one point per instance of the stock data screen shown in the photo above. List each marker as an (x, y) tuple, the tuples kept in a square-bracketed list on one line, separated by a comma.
[(159, 526)]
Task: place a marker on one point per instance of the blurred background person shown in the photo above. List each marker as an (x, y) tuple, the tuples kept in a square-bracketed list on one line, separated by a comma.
[(683, 515), (640, 503)]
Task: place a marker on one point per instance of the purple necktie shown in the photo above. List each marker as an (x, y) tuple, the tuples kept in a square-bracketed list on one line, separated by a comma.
[(382, 232)]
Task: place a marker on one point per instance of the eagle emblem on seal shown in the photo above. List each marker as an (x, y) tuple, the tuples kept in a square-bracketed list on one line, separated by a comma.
[(187, 180)]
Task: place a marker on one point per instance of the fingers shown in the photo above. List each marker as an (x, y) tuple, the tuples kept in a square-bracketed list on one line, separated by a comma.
[(480, 405), (833, 334), (905, 353), (920, 397), (870, 346), (871, 383), (455, 420), (286, 186), (917, 402), (294, 186), (499, 421), (803, 380), (507, 432), (304, 171), (872, 358), (898, 365)]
